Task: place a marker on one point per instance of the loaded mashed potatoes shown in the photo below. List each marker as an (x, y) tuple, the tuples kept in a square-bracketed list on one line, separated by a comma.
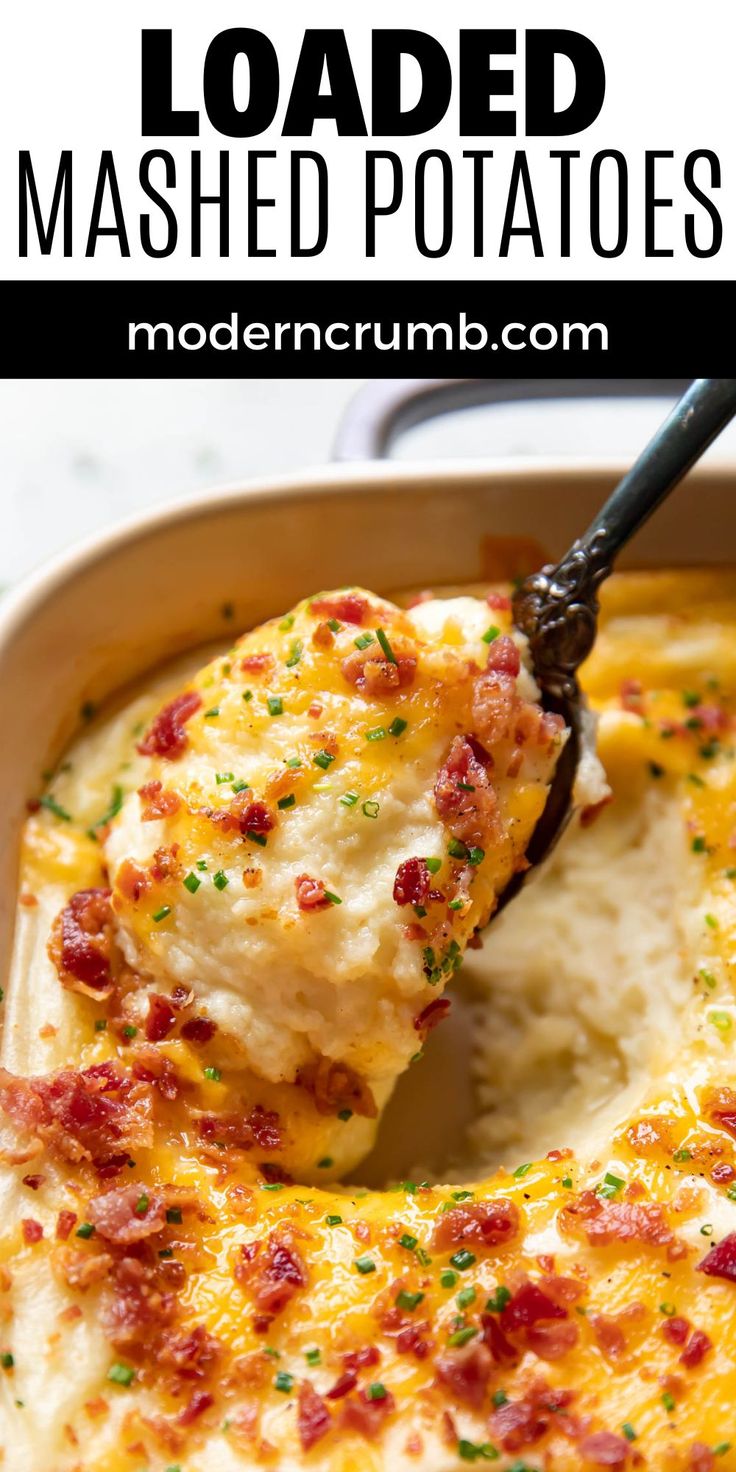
[(242, 899)]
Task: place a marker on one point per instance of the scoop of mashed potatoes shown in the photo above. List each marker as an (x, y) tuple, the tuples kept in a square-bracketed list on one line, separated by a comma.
[(329, 813)]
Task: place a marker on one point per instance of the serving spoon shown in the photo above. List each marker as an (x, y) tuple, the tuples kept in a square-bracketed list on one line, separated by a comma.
[(557, 607)]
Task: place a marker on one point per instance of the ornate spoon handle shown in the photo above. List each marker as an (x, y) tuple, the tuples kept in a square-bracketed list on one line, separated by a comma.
[(557, 608)]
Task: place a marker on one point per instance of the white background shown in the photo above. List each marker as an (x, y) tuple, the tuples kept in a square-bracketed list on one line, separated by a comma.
[(69, 78)]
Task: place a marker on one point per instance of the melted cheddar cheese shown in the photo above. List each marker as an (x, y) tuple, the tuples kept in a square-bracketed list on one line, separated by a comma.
[(197, 1309)]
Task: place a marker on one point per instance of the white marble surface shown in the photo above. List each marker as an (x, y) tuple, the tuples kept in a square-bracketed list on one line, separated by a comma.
[(78, 455)]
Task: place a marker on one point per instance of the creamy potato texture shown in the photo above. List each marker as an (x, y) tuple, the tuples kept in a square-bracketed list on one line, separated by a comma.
[(177, 1288)]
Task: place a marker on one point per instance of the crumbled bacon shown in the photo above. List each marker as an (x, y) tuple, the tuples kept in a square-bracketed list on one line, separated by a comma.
[(157, 802), (488, 1223), (139, 1306), (242, 1131), (323, 637), (611, 1330), (83, 1114), (604, 1449), (33, 1181), (127, 1214), (431, 1015), (465, 1371), (723, 1173), (64, 1223), (522, 1423), (167, 736), (82, 1270), (165, 864), (311, 893), (631, 694), (274, 1273), (700, 1458), (531, 1316), (373, 673), (336, 1086), (500, 602), (152, 1066), (32, 1230), (160, 1019), (347, 608), (471, 816), (363, 1414), (504, 657), (312, 1416), (603, 1222), (199, 1402), (81, 943), (676, 1329), (250, 815), (199, 1029), (132, 881), (502, 1351), (696, 1349), (412, 883), (720, 1106), (257, 663), (363, 1358), (343, 1385)]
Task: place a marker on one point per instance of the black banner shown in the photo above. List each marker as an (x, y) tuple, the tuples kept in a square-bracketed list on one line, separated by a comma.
[(376, 329)]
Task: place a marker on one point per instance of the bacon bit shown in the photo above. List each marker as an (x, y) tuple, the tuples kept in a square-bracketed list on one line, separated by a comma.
[(161, 1018), (465, 1371), (650, 1134), (521, 1423), (722, 1174), (347, 608), (472, 817), (489, 1223), (274, 1274), (242, 1131), (152, 1066), (32, 1230), (258, 663), (631, 694), (132, 881), (603, 1222), (98, 1406), (81, 1270), (87, 1114), (411, 1340), (28, 900), (199, 1030), (720, 1106), (336, 1086), (700, 1458), (64, 1223), (676, 1330), (323, 637), (432, 1015), (33, 1182), (252, 878), (504, 657), (165, 864), (697, 1348), (375, 675), (157, 802), (251, 816), (313, 1419), (529, 1304), (367, 1416), (500, 602), (315, 710), (343, 1385), (128, 1213), (81, 943), (604, 1449), (273, 1173), (199, 1402), (311, 893), (609, 1335), (412, 883), (363, 1358), (166, 736)]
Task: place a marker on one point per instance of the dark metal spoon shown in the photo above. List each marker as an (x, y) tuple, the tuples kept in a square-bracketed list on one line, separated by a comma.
[(557, 608)]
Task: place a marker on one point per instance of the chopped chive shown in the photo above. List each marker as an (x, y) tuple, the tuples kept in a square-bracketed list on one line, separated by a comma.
[(471, 1451), (711, 922), (116, 802), (707, 977), (334, 624), (286, 802), (275, 705), (397, 727), (325, 1163), (721, 1449), (247, 695), (295, 655), (220, 880), (698, 845), (465, 1297), (668, 1401), (567, 1182), (363, 640), (294, 761), (272, 1186), (162, 914), (500, 1398), (448, 1279), (682, 1155), (221, 777), (283, 1381), (476, 856), (365, 1265), (690, 698), (434, 865), (52, 806), (334, 899), (409, 1301), (85, 1230), (201, 865), (141, 1205), (349, 799), (312, 1356), (408, 1241), (419, 911), (173, 1214), (345, 1115), (130, 1032), (6, 1360), (209, 715), (462, 1336), (707, 1229), (371, 809), (628, 1431), (382, 638), (377, 733), (522, 1170), (456, 905), (213, 1073), (334, 1221), (721, 1021), (376, 1391), (286, 623), (165, 1252), (323, 759), (192, 883), (259, 838), (498, 1299), (456, 849), (668, 1309), (462, 1260), (491, 634), (121, 1374)]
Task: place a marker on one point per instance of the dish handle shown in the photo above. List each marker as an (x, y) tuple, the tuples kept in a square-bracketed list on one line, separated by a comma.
[(385, 407)]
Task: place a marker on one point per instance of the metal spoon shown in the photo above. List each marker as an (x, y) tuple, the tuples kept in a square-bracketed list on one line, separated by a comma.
[(557, 608)]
